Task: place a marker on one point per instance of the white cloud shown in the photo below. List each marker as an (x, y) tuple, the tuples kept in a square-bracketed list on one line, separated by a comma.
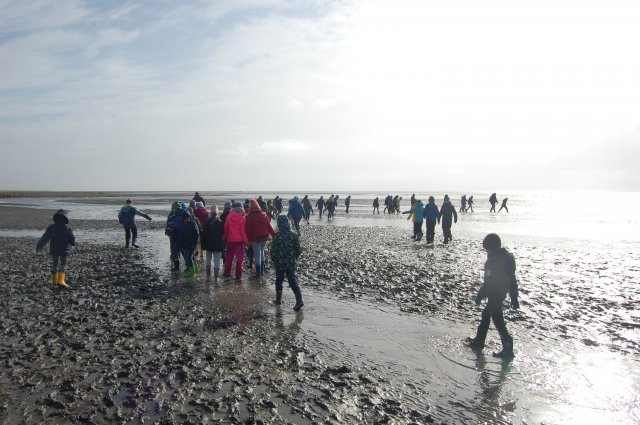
[(284, 146)]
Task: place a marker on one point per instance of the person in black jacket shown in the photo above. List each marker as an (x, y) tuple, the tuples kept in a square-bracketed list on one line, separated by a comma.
[(211, 242), (188, 236), (61, 238), (499, 279), (447, 214)]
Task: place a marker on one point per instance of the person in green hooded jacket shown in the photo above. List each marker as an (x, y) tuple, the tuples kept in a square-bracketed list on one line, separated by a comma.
[(285, 250)]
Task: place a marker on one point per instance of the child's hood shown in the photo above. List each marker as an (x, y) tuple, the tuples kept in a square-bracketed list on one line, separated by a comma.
[(60, 216)]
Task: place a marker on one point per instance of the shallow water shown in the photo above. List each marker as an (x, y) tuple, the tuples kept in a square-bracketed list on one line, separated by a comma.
[(577, 336)]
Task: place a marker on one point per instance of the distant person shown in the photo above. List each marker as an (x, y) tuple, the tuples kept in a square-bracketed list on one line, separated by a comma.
[(198, 198), (174, 222), (127, 217), (60, 237), (388, 204), (413, 200), (226, 210), (504, 205), (470, 204), (285, 250), (376, 205), (258, 228), (188, 238), (212, 243), (320, 204), (447, 215), (431, 215), (306, 206), (396, 203), (277, 202), (236, 239), (295, 213), (347, 203), (418, 216), (331, 207), (463, 203), (499, 279), (493, 200), (262, 203)]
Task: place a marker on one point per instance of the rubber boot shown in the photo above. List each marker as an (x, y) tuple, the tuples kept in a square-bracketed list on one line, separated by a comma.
[(176, 266), (475, 343), (208, 268), (299, 302), (54, 278), (258, 271), (278, 300), (196, 269), (190, 272), (507, 349), (216, 273), (61, 281)]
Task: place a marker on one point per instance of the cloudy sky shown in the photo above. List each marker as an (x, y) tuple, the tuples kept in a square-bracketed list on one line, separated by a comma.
[(319, 95)]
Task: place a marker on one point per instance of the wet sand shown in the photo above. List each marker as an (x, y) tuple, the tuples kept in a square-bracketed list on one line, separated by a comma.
[(378, 341)]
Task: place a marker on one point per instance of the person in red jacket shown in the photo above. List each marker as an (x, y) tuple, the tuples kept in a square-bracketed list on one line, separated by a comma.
[(236, 237), (258, 228)]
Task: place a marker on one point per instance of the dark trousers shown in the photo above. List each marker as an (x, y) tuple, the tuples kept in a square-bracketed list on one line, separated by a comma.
[(293, 283), (62, 260), (175, 249), (417, 231), (446, 231), (128, 231), (431, 230), (187, 253), (493, 311)]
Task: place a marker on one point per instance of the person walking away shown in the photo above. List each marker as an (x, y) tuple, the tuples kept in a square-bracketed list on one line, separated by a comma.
[(211, 242), (447, 214), (499, 279), (258, 228), (431, 215), (331, 207), (504, 205), (285, 250), (469, 204), (127, 217), (198, 198), (396, 203), (376, 205), (277, 202), (188, 237), (418, 216), (306, 206), (413, 200), (295, 212), (347, 204), (320, 204), (493, 200), (174, 222), (236, 238), (60, 237), (463, 203), (202, 214), (262, 203)]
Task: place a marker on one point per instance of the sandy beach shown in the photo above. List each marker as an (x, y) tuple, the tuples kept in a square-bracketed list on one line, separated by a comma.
[(378, 341)]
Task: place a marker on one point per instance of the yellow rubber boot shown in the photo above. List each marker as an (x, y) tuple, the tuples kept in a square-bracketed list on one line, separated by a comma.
[(54, 278), (61, 281)]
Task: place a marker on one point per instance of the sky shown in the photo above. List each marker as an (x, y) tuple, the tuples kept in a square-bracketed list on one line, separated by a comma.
[(320, 95)]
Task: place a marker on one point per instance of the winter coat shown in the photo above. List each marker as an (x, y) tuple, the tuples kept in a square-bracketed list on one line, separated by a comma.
[(234, 228), (285, 246), (417, 211), (127, 216), (202, 214), (212, 235), (447, 213), (188, 235), (59, 234), (295, 209), (499, 276), (431, 212), (174, 222), (199, 198), (320, 203), (258, 227)]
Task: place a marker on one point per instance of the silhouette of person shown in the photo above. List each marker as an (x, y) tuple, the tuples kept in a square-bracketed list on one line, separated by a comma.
[(388, 204), (493, 200), (376, 205), (413, 200), (470, 204), (447, 215), (347, 203), (499, 279), (320, 205), (463, 203), (504, 205), (431, 214)]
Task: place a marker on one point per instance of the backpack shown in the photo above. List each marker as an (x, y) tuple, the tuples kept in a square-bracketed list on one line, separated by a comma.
[(120, 219)]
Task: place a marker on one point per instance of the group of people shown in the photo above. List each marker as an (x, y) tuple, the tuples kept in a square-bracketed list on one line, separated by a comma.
[(194, 230)]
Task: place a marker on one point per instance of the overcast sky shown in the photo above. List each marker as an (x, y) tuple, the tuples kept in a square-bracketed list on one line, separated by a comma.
[(319, 95)]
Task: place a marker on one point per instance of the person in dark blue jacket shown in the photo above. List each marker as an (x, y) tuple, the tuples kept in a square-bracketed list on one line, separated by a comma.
[(188, 237), (296, 212), (61, 238), (127, 217), (431, 214)]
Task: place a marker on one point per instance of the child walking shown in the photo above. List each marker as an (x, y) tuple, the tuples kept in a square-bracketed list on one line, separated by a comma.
[(213, 244), (127, 217), (61, 238), (188, 236), (285, 250)]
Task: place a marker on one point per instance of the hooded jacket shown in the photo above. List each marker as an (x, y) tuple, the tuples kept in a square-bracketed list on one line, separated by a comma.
[(447, 213), (202, 214), (234, 230), (212, 235), (295, 209), (431, 212), (127, 216), (258, 226), (417, 211), (188, 235), (59, 234), (285, 247)]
